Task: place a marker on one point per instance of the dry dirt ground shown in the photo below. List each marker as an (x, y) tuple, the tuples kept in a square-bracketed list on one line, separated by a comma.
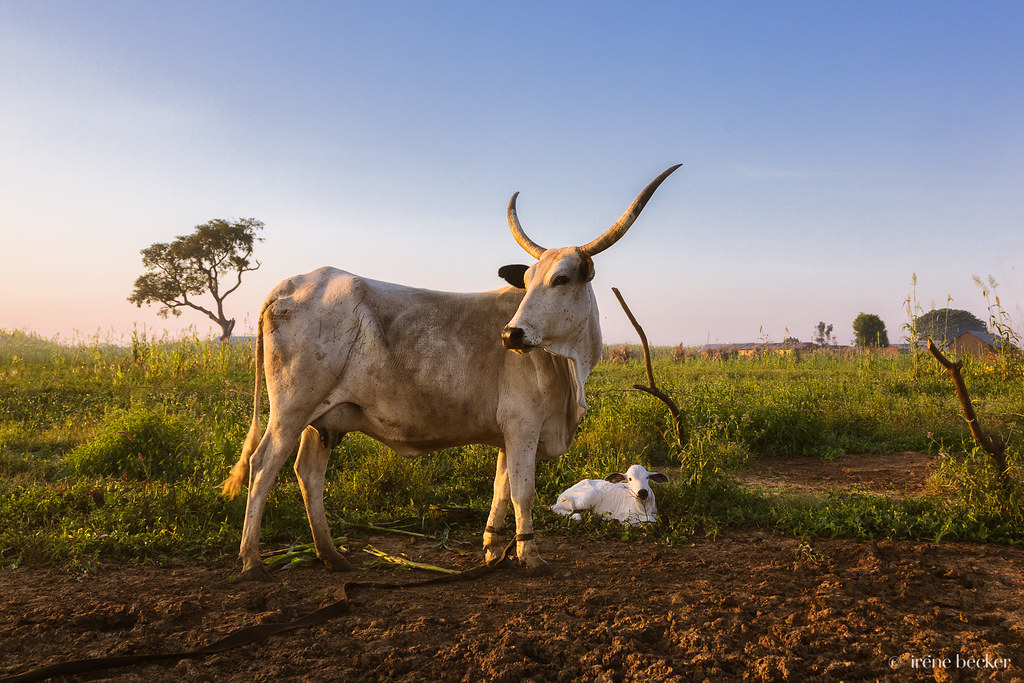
[(743, 606)]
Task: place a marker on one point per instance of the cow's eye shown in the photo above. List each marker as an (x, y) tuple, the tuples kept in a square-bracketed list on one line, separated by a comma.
[(560, 280)]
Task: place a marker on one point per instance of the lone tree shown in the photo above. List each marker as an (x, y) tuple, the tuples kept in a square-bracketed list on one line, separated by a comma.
[(869, 330), (824, 334), (196, 264)]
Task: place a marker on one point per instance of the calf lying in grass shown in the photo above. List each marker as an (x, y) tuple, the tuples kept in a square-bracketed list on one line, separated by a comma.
[(626, 498)]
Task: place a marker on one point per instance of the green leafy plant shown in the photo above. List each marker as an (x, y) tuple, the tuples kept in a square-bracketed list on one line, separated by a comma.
[(138, 443)]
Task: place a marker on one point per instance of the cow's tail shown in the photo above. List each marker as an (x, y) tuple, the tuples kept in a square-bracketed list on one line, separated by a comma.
[(239, 475)]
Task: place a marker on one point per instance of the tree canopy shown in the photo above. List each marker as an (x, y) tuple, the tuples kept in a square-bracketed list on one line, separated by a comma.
[(943, 324), (869, 331), (210, 260)]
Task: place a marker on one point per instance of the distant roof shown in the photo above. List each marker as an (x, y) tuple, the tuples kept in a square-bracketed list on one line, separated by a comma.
[(987, 337), (951, 333)]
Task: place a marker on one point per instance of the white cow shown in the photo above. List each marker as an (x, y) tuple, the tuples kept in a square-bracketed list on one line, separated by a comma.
[(627, 498), (421, 370)]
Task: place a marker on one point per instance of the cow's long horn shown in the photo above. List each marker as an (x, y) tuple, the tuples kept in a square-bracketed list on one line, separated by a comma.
[(531, 247), (612, 234)]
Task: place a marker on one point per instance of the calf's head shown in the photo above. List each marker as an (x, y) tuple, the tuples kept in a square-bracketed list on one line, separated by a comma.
[(559, 308), (638, 480)]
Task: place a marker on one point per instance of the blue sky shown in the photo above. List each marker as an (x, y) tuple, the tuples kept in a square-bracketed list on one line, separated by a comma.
[(830, 151)]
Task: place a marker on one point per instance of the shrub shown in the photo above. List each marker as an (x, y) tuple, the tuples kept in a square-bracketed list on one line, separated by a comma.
[(374, 477), (679, 352), (138, 443), (619, 354), (971, 480)]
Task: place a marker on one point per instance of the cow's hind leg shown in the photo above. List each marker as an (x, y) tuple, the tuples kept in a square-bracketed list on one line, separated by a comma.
[(494, 539), (266, 462), (311, 467)]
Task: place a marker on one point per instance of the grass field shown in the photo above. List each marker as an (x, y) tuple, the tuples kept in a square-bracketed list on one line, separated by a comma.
[(116, 451)]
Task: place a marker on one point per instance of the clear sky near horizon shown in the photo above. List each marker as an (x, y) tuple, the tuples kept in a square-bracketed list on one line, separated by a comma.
[(831, 150)]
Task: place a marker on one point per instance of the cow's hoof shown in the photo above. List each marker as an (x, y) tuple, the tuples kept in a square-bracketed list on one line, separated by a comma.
[(503, 563), (257, 573), (495, 555), (542, 569), (338, 563)]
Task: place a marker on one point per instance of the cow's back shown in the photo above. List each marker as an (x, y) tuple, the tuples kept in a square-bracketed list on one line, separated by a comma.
[(417, 369)]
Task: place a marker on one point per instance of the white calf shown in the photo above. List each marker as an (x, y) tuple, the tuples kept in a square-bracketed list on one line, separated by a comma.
[(626, 498)]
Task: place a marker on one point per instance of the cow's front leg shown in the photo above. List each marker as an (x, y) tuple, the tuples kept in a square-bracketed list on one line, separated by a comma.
[(522, 465), (494, 539)]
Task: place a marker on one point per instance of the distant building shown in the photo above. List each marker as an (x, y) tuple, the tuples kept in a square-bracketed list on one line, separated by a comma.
[(974, 341), (966, 341)]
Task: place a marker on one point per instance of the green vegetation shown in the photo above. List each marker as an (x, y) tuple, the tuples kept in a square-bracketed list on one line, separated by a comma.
[(116, 451), (942, 324), (869, 330)]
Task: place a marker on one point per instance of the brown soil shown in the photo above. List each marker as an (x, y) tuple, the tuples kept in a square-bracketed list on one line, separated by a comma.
[(889, 473), (746, 605)]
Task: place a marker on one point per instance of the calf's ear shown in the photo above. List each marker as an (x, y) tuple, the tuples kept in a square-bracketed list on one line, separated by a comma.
[(513, 274), (657, 478), (615, 477)]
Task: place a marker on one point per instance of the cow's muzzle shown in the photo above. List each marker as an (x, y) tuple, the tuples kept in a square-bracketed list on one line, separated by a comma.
[(514, 339)]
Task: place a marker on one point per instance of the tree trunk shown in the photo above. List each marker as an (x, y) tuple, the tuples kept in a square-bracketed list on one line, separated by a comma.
[(226, 327)]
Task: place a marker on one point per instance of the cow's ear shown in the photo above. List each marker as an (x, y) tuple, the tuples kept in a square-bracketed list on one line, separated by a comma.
[(513, 274), (586, 268), (657, 478), (615, 477)]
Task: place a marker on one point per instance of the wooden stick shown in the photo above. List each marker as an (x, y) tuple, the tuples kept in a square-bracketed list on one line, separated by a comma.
[(994, 446), (651, 389)]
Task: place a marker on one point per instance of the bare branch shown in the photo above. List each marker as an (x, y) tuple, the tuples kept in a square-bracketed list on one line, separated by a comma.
[(994, 445), (186, 303), (651, 389), (238, 280)]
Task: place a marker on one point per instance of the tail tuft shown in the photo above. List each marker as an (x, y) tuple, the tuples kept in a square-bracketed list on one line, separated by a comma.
[(239, 477)]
